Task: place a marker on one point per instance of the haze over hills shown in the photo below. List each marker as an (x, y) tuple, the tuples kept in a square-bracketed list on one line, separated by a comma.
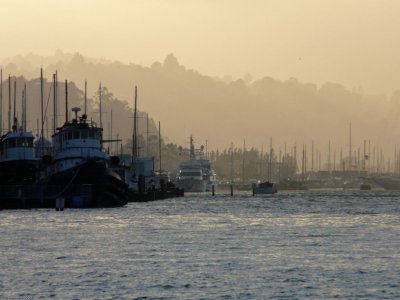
[(222, 111)]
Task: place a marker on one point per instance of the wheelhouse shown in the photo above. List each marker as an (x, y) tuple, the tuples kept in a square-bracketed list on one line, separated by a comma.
[(17, 145), (79, 133)]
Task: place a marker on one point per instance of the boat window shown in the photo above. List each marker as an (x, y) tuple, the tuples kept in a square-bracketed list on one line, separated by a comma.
[(191, 173), (22, 142), (76, 134), (70, 135)]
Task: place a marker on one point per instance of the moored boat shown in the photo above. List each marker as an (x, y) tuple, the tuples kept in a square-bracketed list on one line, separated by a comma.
[(18, 164), (78, 159), (196, 174), (264, 188)]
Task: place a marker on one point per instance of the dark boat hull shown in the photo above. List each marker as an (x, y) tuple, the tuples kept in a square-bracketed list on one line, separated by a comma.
[(107, 188), (18, 172)]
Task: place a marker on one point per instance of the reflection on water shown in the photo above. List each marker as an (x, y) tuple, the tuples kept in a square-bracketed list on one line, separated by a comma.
[(288, 245)]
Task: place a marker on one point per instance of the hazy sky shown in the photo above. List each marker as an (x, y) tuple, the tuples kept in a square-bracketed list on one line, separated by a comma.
[(353, 42)]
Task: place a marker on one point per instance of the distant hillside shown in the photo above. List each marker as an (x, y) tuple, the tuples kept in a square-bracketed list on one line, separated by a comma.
[(186, 102)]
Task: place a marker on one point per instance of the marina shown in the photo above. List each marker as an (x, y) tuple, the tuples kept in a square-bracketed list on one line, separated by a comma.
[(162, 150)]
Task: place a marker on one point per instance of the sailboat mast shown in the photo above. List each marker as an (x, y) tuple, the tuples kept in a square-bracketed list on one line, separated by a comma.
[(244, 149), (24, 110), (9, 103), (56, 101), (134, 139), (1, 102), (100, 108), (147, 135), (159, 143), (41, 102), (66, 101), (350, 147), (111, 132), (231, 163), (54, 104), (85, 97), (312, 156), (270, 161), (329, 157), (15, 106), (303, 164)]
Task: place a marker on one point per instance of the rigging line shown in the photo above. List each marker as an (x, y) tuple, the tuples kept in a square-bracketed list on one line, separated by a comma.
[(47, 105), (67, 186)]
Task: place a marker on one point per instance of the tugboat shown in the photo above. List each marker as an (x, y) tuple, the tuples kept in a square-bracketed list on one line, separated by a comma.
[(18, 164), (78, 159)]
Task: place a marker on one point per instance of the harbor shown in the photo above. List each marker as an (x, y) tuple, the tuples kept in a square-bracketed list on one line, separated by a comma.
[(162, 150), (73, 169)]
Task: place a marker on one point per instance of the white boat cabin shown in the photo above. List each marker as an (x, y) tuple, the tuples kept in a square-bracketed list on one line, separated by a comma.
[(17, 146), (76, 141)]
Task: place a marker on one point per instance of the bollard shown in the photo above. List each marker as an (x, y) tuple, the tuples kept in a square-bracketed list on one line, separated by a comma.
[(213, 190), (231, 190), (254, 189), (60, 204)]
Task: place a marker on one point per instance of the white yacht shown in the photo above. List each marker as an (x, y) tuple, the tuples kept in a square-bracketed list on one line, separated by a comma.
[(196, 174)]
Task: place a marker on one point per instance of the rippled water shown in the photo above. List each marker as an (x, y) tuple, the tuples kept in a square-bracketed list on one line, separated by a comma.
[(290, 245)]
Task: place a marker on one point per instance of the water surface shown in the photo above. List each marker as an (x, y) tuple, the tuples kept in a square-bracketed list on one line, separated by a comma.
[(318, 244)]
